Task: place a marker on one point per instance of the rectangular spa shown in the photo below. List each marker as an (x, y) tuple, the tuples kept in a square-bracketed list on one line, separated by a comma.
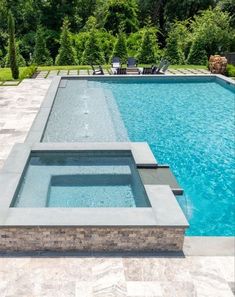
[(87, 197), (81, 179)]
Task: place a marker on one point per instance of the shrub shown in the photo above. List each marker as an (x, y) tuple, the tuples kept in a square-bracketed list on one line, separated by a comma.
[(212, 29), (41, 55), (12, 47), (120, 47), (93, 53), (66, 54), (230, 70), (28, 72)]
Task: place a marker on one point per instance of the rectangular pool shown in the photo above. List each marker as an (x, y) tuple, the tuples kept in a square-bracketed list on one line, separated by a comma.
[(188, 123)]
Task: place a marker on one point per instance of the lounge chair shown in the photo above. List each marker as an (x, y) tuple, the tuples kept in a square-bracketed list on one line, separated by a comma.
[(98, 71), (147, 70), (121, 71), (131, 62), (116, 62), (164, 68)]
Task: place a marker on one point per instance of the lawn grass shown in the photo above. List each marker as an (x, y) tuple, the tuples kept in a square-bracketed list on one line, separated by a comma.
[(76, 67), (5, 73), (107, 66)]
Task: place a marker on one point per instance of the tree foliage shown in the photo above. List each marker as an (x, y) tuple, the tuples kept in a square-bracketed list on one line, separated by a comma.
[(178, 43), (66, 54), (93, 53), (120, 47), (201, 25), (41, 55), (12, 47), (121, 13), (149, 51)]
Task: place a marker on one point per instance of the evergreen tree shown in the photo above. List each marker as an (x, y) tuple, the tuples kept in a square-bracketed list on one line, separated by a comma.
[(120, 47), (19, 58), (92, 53), (41, 55), (197, 53), (178, 42), (173, 51), (66, 54), (148, 49), (12, 47)]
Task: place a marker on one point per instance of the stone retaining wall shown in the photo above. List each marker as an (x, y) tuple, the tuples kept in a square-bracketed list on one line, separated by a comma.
[(93, 239)]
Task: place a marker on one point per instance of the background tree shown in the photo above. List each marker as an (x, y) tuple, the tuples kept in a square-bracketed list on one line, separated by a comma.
[(121, 12), (211, 28), (93, 53), (197, 54), (41, 55), (12, 47), (66, 54), (149, 50), (178, 43), (120, 47), (19, 58), (109, 14)]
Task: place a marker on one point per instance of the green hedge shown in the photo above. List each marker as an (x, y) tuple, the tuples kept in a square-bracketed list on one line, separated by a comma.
[(28, 72), (230, 70)]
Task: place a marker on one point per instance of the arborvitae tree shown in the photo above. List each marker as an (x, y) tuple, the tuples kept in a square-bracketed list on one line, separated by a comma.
[(93, 53), (19, 58), (120, 47), (12, 47), (197, 53), (148, 49), (178, 42), (41, 55), (66, 54), (173, 51)]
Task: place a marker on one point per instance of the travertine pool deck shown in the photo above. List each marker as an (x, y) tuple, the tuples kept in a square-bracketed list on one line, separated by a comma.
[(191, 274)]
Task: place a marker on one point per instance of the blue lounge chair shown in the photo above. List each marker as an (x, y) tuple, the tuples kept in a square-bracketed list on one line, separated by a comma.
[(131, 62), (116, 62)]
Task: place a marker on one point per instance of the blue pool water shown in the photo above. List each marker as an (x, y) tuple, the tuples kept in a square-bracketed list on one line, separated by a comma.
[(85, 179), (189, 126)]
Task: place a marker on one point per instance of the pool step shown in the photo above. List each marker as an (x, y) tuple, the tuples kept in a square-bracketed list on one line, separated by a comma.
[(160, 176)]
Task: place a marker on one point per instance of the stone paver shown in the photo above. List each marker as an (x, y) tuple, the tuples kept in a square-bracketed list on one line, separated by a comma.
[(73, 72), (101, 275), (63, 72), (18, 108), (114, 276), (83, 72)]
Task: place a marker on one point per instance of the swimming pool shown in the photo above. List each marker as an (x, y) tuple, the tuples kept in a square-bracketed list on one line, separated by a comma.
[(189, 125)]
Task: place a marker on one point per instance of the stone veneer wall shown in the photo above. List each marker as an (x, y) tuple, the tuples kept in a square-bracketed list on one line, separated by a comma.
[(93, 239)]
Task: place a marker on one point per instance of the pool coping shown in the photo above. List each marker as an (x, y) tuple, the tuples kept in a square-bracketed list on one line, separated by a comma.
[(164, 210)]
